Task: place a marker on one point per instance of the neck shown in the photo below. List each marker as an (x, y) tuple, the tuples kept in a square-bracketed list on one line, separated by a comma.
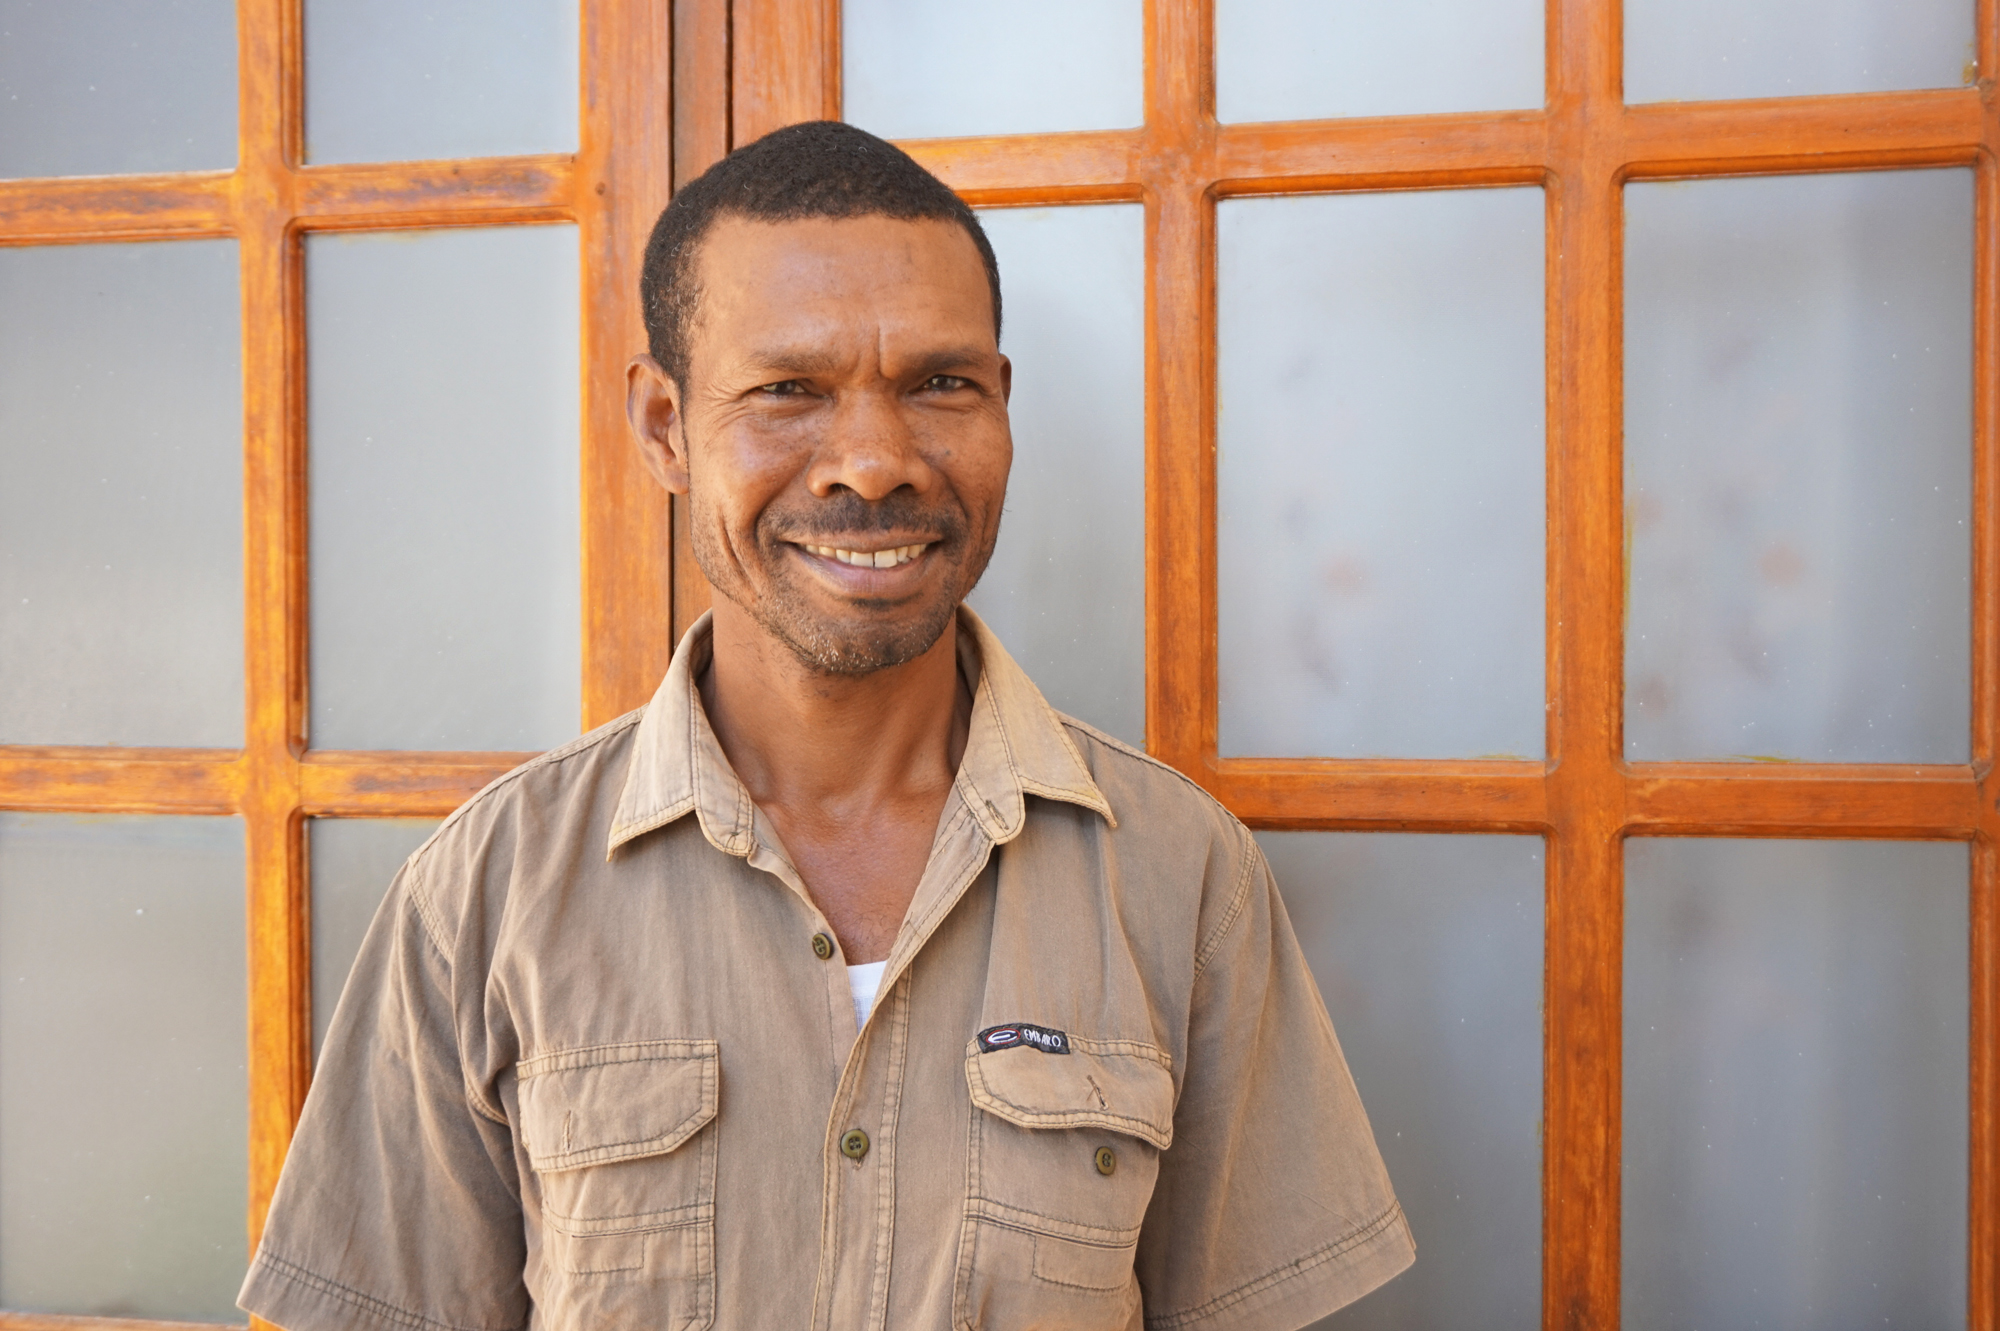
[(839, 744)]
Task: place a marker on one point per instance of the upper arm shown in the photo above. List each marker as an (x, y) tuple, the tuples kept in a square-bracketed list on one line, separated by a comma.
[(399, 1203), (1273, 1207)]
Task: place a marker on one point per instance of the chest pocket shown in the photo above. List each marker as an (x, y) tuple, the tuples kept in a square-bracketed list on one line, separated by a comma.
[(622, 1140), (1063, 1155)]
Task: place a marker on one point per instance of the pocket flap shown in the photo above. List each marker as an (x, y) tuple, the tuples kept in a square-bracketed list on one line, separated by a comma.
[(1124, 1085), (616, 1101)]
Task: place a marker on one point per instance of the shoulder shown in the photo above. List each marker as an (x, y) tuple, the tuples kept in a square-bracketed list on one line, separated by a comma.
[(549, 807), (1170, 827), (1151, 790)]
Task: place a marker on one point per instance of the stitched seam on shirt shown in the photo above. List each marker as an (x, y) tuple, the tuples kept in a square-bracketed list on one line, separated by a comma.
[(1023, 1220), (603, 734), (1113, 742), (388, 1312), (1238, 901), (1082, 799), (1006, 745), (950, 899), (432, 929), (1289, 1271), (648, 1222), (560, 1060), (667, 815)]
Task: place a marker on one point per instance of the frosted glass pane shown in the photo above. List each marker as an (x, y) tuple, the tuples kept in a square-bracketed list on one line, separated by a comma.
[(1795, 1084), (1379, 485), (391, 80), (1798, 426), (444, 470), (1695, 49), (1428, 950), (353, 860), (121, 495), (123, 1133), (1318, 59), (1066, 590), (912, 69), (101, 87)]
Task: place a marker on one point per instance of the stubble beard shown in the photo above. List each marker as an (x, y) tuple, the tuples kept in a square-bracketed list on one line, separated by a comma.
[(784, 608)]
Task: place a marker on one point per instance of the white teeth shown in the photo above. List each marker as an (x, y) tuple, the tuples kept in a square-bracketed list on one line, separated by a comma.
[(902, 554)]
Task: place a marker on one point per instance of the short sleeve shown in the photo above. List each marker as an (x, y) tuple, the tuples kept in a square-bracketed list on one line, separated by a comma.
[(1273, 1208), (399, 1205)]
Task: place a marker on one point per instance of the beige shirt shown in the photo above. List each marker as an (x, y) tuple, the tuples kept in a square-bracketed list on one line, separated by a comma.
[(597, 1064)]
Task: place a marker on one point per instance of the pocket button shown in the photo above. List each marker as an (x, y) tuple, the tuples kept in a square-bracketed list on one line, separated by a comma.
[(1107, 1161)]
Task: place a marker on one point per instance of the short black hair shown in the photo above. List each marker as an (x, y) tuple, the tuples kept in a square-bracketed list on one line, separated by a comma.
[(820, 168)]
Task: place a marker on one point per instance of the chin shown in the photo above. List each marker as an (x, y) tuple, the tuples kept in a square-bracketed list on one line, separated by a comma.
[(857, 649)]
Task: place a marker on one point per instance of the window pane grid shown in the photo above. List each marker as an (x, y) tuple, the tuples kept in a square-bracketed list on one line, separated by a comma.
[(1584, 148), (266, 205), (1581, 147)]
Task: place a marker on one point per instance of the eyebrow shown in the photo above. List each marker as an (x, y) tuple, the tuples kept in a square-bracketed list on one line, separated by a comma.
[(807, 361)]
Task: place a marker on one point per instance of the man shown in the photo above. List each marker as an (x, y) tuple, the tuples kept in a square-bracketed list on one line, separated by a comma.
[(846, 985)]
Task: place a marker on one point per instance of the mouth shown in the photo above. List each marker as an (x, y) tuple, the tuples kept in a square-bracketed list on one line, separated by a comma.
[(894, 556)]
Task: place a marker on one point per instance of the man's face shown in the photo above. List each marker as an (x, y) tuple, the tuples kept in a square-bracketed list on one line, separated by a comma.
[(842, 436)]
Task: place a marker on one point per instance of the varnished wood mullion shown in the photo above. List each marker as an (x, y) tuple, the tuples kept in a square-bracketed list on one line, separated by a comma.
[(701, 86), (470, 192), (1801, 133), (269, 129), (397, 785), (1875, 130), (106, 780), (1983, 960), (784, 65), (85, 209), (1180, 418), (1096, 165), (1799, 799), (1384, 796), (623, 177), (701, 139), (1585, 869), (13, 1321)]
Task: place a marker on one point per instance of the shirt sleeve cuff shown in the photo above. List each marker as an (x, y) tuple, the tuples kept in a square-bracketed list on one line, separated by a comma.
[(1310, 1287), (291, 1297)]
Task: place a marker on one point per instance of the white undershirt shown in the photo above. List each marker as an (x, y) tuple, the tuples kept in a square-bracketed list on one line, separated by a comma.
[(862, 982)]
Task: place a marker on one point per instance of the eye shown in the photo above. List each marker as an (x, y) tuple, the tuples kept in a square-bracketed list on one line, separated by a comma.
[(945, 383), (783, 388)]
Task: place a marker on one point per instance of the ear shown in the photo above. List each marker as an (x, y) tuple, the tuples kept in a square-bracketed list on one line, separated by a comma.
[(1006, 380), (653, 409)]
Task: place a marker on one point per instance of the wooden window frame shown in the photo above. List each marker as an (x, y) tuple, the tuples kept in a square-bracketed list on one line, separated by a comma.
[(611, 189), (1584, 798), (739, 68)]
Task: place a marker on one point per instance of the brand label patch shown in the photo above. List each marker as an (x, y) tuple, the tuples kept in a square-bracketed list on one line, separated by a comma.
[(1020, 1034)]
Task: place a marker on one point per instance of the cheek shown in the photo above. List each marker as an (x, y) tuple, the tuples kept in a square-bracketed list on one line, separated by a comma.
[(988, 477), (732, 481)]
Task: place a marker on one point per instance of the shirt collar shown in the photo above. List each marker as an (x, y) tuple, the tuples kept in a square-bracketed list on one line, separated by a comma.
[(1016, 747)]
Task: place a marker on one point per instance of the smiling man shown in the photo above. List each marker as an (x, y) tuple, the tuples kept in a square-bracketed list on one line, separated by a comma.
[(846, 984)]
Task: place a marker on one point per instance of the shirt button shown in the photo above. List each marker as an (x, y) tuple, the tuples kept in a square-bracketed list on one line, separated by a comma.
[(854, 1144), (1107, 1160), (822, 946)]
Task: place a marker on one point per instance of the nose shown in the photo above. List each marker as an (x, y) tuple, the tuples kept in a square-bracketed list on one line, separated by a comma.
[(869, 449)]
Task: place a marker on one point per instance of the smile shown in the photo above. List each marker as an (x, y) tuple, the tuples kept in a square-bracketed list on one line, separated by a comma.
[(901, 554)]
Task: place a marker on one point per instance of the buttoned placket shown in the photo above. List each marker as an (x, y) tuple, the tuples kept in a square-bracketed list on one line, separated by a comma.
[(858, 1191), (858, 1197)]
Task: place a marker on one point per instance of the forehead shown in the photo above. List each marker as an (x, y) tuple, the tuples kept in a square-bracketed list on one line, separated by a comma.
[(879, 271)]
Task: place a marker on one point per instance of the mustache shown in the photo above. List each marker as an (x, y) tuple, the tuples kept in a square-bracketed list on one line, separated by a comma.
[(848, 514)]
